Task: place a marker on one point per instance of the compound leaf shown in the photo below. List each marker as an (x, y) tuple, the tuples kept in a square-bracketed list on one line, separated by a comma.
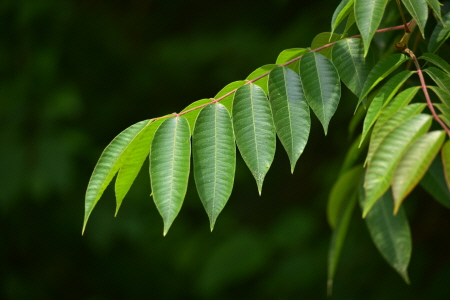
[(419, 11), (437, 61), (440, 34), (228, 100), (442, 95), (192, 115), (442, 79)]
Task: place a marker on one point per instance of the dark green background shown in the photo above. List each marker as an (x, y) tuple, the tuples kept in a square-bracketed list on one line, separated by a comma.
[(76, 73)]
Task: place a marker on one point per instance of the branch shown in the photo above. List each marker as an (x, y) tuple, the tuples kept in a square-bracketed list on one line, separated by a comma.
[(266, 74), (425, 91)]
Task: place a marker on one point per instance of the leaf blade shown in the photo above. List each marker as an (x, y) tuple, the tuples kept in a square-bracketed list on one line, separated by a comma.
[(343, 9), (440, 34), (419, 11), (435, 184), (446, 162), (436, 60)]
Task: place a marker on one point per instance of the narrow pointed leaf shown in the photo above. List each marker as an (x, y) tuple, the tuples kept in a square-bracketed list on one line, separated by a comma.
[(383, 97), (385, 159), (440, 34), (353, 154), (350, 21), (368, 14), (192, 115), (228, 101), (254, 130), (442, 79), (343, 9), (436, 7), (107, 166), (445, 118), (261, 71), (435, 184), (389, 125), (390, 234), (135, 159), (169, 167), (446, 162), (442, 95), (323, 39), (348, 58), (414, 165), (418, 9), (437, 61), (288, 55), (442, 108), (214, 156), (381, 70), (290, 111), (322, 86)]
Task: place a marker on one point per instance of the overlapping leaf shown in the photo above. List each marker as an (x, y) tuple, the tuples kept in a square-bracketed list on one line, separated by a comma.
[(288, 55), (436, 7), (446, 162), (254, 130), (290, 111), (440, 34), (383, 97), (386, 157), (442, 95), (414, 164), (442, 108), (368, 15), (435, 184), (323, 39), (321, 85), (419, 11), (390, 234), (437, 61), (214, 156), (228, 100), (169, 167), (109, 163), (442, 79), (353, 154), (192, 115), (262, 82), (343, 9)]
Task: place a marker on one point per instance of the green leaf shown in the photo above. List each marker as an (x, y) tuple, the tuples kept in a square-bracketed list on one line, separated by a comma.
[(341, 193), (135, 159), (445, 118), (214, 155), (353, 154), (436, 7), (192, 115), (289, 54), (350, 21), (169, 167), (254, 130), (418, 9), (440, 34), (383, 97), (442, 95), (368, 14), (442, 79), (343, 9), (442, 108), (385, 159), (446, 162), (348, 58), (390, 234), (322, 86), (435, 184), (436, 60), (109, 163), (290, 111), (414, 164), (261, 71), (228, 101), (381, 70), (323, 39), (379, 134)]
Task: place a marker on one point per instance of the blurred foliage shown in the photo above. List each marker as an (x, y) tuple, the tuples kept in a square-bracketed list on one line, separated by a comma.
[(74, 73)]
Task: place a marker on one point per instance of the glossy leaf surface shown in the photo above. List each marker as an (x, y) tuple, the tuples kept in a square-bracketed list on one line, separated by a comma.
[(214, 156), (322, 86), (440, 34), (437, 61), (169, 167), (254, 130), (418, 9), (290, 111)]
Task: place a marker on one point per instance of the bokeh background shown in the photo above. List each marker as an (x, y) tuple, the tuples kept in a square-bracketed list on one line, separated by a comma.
[(73, 74)]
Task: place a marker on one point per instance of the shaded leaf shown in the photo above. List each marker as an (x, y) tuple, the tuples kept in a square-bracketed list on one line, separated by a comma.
[(350, 21), (192, 115), (169, 167), (436, 7), (440, 34), (442, 108), (343, 9), (109, 163), (214, 156), (368, 15), (437, 61), (442, 79), (445, 118), (386, 157), (414, 164), (435, 184), (442, 95), (288, 55), (323, 39), (322, 86), (418, 9), (261, 71), (446, 162), (228, 101), (353, 154), (290, 111), (254, 130)]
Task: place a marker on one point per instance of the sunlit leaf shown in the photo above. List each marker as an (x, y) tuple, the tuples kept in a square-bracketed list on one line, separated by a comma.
[(169, 167), (288, 55), (437, 61), (435, 184), (254, 130), (442, 95), (261, 71), (192, 115), (418, 9), (368, 14), (414, 164), (323, 39), (386, 157), (381, 70), (442, 79), (343, 9), (440, 34), (214, 156), (322, 86), (228, 101), (446, 162), (382, 98), (290, 111), (390, 234), (436, 7), (109, 163)]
